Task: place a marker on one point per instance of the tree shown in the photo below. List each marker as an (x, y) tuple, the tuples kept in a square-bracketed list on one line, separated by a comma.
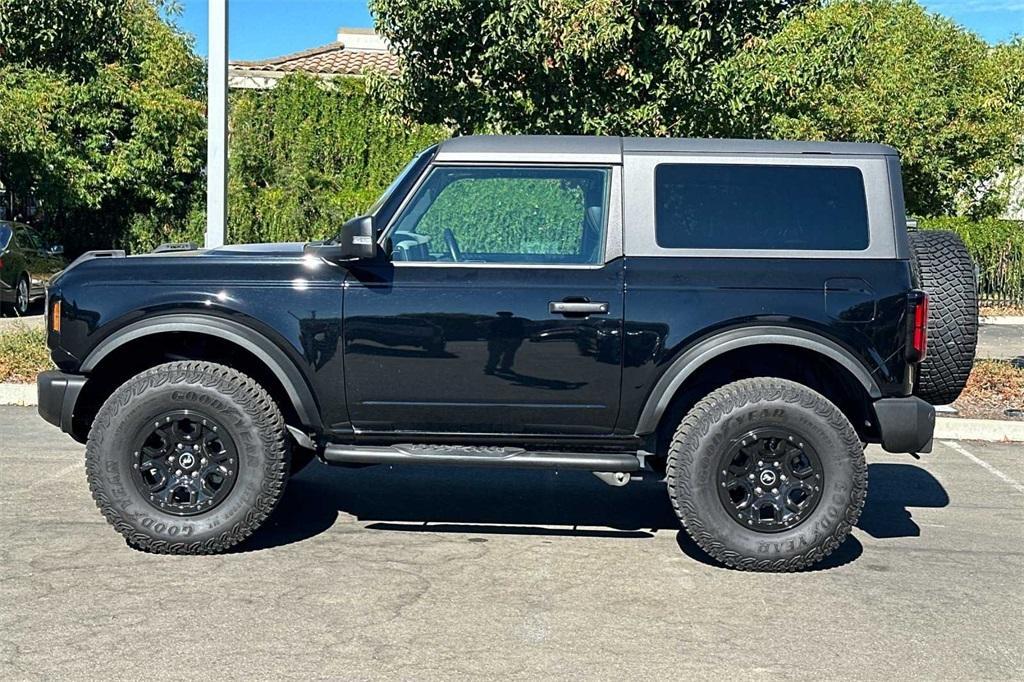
[(566, 66), (73, 37), (102, 115), (888, 71)]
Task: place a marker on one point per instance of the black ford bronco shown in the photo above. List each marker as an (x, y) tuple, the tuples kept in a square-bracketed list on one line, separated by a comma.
[(739, 317)]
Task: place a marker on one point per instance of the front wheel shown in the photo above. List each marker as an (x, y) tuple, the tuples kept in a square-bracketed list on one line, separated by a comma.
[(22, 296), (767, 475), (187, 458)]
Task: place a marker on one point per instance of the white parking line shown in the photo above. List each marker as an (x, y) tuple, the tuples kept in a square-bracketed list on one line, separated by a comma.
[(984, 465)]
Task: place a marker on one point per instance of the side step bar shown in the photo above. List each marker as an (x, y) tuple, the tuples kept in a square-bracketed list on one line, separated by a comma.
[(458, 455)]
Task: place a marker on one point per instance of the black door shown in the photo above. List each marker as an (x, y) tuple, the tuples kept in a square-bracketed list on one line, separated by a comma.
[(497, 313)]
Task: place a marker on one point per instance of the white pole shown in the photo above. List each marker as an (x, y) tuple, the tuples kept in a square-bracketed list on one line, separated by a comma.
[(217, 122)]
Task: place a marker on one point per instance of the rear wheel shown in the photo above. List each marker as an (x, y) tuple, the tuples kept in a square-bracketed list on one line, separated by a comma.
[(944, 270), (767, 475), (187, 458)]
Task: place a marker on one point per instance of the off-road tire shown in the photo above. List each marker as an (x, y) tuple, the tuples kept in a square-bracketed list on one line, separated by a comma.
[(253, 421), (723, 417), (943, 269), (300, 459)]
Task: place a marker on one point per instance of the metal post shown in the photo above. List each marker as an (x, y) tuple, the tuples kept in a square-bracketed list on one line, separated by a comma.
[(217, 122)]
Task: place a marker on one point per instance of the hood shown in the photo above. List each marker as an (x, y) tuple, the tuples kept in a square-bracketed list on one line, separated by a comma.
[(290, 249), (271, 250)]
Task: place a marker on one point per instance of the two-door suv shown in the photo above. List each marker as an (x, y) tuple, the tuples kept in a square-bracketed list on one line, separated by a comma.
[(741, 317)]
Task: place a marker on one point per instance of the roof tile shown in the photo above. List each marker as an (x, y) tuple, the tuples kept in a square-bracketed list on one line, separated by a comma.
[(331, 59)]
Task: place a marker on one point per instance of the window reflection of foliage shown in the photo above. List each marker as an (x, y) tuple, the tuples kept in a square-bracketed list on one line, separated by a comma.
[(508, 215)]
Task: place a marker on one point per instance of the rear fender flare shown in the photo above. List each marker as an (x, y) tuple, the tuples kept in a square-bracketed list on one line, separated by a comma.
[(692, 359)]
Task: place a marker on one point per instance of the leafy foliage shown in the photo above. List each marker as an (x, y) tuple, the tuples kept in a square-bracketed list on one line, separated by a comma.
[(101, 115), (306, 157), (605, 67), (888, 71), (74, 37), (997, 249)]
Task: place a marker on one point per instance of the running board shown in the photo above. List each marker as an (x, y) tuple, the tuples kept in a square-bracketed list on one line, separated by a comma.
[(467, 455)]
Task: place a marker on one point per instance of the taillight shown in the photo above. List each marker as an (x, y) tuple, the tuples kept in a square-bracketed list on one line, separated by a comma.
[(917, 345), (55, 317)]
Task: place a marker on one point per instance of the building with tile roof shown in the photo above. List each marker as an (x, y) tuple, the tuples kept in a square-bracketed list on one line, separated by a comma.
[(356, 51)]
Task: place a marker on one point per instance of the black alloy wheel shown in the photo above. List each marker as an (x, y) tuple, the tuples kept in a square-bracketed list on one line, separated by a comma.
[(770, 480), (184, 463), (21, 297)]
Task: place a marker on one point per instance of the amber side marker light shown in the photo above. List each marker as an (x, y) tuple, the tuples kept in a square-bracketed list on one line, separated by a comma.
[(55, 317)]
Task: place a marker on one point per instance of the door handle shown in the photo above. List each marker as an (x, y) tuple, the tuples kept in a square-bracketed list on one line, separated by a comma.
[(582, 308)]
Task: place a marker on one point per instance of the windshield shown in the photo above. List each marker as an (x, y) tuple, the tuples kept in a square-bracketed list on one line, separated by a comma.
[(394, 183)]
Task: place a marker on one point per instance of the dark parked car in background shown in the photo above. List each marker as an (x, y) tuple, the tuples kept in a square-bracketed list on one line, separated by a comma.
[(26, 266)]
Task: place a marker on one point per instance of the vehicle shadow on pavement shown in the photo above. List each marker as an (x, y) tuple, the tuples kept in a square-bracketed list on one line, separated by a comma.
[(892, 490), (543, 503)]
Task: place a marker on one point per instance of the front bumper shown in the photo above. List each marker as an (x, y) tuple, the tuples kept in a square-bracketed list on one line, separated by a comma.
[(905, 424), (58, 394)]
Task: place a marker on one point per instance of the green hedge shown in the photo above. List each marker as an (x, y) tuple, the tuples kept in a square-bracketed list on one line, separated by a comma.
[(997, 248), (303, 158)]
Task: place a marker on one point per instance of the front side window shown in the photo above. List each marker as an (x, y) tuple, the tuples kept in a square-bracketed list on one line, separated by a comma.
[(748, 206), (505, 215)]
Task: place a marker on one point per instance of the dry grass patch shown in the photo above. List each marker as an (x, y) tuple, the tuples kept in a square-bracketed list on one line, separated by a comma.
[(994, 387), (23, 354)]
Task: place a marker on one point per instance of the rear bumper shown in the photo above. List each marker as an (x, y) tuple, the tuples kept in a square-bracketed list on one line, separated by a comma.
[(905, 424), (58, 393)]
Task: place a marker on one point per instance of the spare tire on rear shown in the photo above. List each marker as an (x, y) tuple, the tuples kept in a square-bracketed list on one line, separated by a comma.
[(943, 269)]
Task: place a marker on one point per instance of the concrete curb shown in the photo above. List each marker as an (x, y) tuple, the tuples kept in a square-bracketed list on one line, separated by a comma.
[(1008, 320), (18, 394), (996, 430)]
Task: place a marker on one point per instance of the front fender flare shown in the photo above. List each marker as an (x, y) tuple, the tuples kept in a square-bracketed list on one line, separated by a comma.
[(268, 352), (693, 358)]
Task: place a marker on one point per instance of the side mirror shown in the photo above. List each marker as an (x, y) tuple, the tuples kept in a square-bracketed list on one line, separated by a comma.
[(357, 240), (56, 250)]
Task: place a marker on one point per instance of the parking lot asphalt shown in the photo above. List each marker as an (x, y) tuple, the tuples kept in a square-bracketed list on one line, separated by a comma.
[(451, 573), (1001, 341)]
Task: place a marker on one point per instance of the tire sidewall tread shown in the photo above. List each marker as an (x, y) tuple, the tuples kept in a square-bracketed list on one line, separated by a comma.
[(244, 409), (729, 412), (942, 267)]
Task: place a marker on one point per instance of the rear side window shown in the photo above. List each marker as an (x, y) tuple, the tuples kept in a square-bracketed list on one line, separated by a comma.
[(740, 206)]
